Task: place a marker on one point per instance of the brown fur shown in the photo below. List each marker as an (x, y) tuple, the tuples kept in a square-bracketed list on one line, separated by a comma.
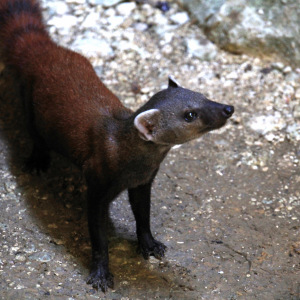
[(71, 111)]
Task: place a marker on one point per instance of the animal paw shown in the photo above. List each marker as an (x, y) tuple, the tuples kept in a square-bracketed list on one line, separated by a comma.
[(155, 248), (101, 279)]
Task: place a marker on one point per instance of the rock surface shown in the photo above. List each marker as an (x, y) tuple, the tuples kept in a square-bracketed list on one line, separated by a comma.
[(260, 28)]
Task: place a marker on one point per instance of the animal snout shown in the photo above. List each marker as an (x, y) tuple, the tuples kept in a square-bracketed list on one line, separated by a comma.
[(228, 111)]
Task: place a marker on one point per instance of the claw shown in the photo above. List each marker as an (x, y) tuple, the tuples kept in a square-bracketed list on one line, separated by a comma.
[(157, 249), (98, 280)]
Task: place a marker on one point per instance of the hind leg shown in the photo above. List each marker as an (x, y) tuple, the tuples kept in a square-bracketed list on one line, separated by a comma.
[(39, 160)]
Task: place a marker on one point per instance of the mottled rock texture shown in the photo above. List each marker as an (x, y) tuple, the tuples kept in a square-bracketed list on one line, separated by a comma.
[(268, 28)]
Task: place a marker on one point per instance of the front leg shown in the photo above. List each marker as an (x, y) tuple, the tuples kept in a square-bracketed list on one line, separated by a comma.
[(98, 210), (139, 198)]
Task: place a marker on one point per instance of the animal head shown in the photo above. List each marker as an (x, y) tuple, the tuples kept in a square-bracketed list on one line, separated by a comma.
[(177, 115)]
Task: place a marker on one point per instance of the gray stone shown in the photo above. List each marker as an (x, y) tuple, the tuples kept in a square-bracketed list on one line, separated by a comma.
[(126, 8), (296, 111), (64, 23), (105, 3), (91, 21), (20, 257), (92, 46), (60, 8), (3, 227), (203, 49), (115, 21), (140, 26), (260, 28), (180, 18), (267, 123), (297, 93), (41, 256), (294, 132), (76, 1)]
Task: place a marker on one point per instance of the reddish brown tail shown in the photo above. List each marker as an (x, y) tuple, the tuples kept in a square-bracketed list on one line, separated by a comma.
[(21, 28)]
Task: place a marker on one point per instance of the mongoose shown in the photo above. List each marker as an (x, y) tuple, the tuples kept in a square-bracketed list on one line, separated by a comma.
[(72, 112)]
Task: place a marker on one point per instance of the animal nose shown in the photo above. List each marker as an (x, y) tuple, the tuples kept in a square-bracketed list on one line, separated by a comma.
[(228, 111)]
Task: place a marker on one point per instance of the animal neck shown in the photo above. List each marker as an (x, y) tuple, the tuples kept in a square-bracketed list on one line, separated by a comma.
[(131, 137)]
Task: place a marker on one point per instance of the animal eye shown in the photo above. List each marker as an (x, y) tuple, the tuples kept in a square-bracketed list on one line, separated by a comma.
[(190, 116)]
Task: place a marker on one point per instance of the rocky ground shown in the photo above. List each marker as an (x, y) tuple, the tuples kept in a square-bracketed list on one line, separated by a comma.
[(226, 205)]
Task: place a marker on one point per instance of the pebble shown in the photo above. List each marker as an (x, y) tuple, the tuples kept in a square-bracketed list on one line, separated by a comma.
[(267, 123), (30, 248), (296, 111), (140, 26), (115, 21), (91, 21), (180, 18), (204, 50), (41, 256), (287, 69), (20, 257), (159, 20), (232, 75), (293, 131), (92, 47), (278, 66), (58, 7), (297, 94), (105, 3), (63, 24), (126, 8), (75, 1)]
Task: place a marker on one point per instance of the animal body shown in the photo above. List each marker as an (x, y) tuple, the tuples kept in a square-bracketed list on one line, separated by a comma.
[(72, 112)]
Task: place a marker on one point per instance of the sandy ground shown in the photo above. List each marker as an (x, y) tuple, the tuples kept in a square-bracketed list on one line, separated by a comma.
[(226, 205)]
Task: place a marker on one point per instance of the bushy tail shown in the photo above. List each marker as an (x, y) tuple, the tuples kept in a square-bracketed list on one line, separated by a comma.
[(21, 27)]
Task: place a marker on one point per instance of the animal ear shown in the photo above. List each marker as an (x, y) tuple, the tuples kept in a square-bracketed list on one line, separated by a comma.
[(146, 123), (172, 82)]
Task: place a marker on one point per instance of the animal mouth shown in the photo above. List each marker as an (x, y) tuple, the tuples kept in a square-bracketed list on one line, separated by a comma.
[(211, 127)]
